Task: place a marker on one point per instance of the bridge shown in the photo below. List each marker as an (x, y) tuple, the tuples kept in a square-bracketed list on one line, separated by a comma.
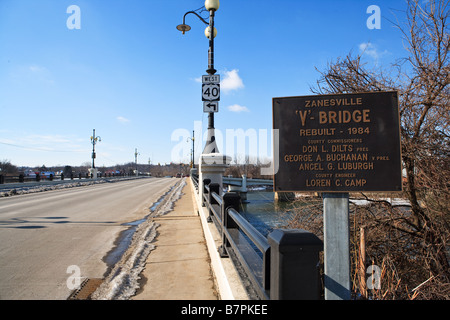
[(244, 181), (240, 184)]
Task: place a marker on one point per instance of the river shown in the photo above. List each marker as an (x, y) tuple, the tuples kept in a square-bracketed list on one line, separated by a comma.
[(262, 212)]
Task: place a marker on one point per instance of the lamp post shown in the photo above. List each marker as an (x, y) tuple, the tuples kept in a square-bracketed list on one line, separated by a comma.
[(193, 149), (212, 6), (136, 153), (94, 140), (212, 164)]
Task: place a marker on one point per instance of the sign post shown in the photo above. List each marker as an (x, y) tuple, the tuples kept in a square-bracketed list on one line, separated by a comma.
[(336, 144), (336, 246)]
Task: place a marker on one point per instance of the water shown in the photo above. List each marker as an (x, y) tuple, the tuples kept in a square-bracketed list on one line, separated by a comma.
[(263, 213)]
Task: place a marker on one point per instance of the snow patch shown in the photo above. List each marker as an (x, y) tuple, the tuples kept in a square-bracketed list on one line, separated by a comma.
[(123, 280), (18, 190), (392, 201)]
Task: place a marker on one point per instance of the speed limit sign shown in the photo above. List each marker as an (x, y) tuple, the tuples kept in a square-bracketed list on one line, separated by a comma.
[(211, 92)]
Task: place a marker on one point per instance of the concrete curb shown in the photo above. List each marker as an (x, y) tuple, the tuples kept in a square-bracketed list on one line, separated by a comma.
[(227, 278)]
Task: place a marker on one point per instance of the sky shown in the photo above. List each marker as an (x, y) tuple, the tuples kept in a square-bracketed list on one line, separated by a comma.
[(121, 67)]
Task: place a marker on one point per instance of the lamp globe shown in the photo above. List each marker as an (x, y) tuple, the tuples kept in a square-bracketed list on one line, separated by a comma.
[(212, 5)]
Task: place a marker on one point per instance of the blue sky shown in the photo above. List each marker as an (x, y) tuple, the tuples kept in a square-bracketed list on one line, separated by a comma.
[(132, 76)]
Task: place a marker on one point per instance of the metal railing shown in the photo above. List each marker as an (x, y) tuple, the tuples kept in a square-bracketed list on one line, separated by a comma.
[(282, 266), (194, 178), (21, 178)]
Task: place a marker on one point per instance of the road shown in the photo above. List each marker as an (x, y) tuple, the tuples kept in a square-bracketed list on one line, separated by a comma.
[(44, 234)]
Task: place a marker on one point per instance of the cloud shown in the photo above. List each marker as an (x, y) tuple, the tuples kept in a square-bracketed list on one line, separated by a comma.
[(32, 75), (231, 81), (36, 68), (237, 108), (371, 50), (122, 119)]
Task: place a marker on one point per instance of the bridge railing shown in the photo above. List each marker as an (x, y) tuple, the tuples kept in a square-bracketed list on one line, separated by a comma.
[(282, 266), (22, 178), (194, 178)]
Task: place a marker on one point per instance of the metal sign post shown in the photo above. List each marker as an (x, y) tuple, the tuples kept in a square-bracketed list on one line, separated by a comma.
[(336, 246)]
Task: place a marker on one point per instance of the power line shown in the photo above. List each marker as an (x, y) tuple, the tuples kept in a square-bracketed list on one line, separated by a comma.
[(39, 149)]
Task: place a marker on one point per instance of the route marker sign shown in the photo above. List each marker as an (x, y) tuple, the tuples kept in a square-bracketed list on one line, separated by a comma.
[(211, 92), (210, 106), (211, 78), (210, 88)]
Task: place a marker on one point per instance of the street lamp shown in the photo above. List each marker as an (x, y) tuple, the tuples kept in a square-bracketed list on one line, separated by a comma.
[(94, 140), (136, 153), (193, 149), (212, 6)]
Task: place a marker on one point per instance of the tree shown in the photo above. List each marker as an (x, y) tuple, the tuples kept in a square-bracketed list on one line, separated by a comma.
[(422, 79), (7, 167)]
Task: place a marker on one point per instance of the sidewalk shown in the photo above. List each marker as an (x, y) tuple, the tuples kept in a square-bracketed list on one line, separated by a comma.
[(179, 267)]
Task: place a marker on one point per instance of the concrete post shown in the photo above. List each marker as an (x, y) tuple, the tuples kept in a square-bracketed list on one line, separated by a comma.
[(93, 172), (242, 189), (336, 246), (212, 166)]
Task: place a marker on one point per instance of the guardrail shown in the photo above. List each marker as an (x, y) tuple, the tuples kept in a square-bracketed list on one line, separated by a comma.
[(282, 266), (21, 178)]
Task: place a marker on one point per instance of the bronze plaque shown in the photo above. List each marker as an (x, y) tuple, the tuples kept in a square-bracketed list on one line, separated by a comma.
[(338, 143)]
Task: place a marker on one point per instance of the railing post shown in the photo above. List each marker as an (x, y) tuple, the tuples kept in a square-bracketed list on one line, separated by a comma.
[(21, 178), (213, 187), (205, 191), (212, 166), (294, 261), (2, 179), (230, 200)]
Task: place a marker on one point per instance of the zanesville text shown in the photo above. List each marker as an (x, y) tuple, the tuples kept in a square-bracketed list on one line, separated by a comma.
[(333, 102)]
